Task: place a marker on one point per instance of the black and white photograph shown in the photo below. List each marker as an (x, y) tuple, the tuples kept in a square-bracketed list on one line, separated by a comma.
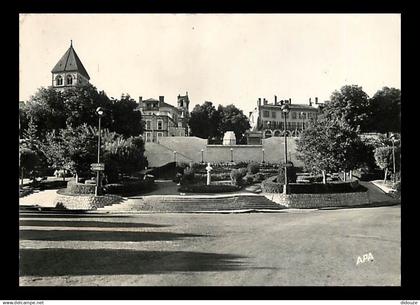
[(188, 149)]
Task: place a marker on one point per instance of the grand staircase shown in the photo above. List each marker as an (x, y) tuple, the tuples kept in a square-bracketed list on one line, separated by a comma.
[(185, 204)]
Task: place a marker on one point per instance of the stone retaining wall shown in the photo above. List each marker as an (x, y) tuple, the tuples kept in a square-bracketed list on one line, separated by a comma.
[(302, 201), (85, 202)]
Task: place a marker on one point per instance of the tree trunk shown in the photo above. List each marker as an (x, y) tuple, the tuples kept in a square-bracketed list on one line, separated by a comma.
[(386, 174), (344, 176), (21, 177), (324, 179), (351, 175), (77, 178)]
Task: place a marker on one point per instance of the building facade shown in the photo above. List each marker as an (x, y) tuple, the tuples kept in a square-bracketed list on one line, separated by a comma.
[(69, 71), (267, 119), (164, 120)]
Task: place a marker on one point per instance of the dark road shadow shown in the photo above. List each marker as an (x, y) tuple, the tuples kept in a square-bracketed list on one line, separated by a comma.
[(67, 235), (91, 223), (56, 262), (67, 215)]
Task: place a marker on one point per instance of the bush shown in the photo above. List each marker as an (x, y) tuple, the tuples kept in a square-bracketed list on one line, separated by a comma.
[(212, 188), (253, 168), (271, 185), (49, 185), (188, 176), (236, 175), (291, 175)]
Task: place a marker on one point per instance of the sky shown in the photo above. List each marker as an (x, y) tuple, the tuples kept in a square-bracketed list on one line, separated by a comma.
[(222, 58)]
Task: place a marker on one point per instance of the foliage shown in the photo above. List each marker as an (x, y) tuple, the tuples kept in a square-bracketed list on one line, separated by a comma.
[(270, 185), (330, 146), (233, 119), (384, 159), (386, 105), (125, 120), (188, 176), (328, 188), (207, 122), (253, 168), (212, 188), (291, 175), (28, 159), (351, 105), (204, 121), (236, 175), (53, 110), (75, 149)]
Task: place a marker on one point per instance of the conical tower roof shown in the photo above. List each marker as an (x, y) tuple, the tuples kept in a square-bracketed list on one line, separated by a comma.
[(70, 62)]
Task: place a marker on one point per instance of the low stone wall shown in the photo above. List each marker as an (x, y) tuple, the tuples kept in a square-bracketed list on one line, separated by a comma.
[(85, 202), (307, 201)]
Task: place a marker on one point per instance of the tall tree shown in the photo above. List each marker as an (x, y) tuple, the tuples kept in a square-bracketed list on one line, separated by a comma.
[(125, 120), (386, 105), (233, 119), (204, 121), (330, 146), (351, 105)]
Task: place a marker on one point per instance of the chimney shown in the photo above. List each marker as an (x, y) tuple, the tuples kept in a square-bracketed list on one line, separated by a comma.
[(186, 93), (161, 98), (265, 101), (316, 101), (310, 102), (275, 100), (281, 102), (140, 99), (259, 102), (290, 101)]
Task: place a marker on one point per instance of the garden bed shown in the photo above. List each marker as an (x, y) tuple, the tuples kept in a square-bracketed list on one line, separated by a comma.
[(212, 188)]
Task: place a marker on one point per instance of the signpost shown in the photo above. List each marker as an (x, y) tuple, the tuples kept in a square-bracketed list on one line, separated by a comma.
[(97, 167)]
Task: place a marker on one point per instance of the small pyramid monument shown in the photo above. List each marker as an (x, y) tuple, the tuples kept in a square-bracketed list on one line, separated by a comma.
[(69, 71)]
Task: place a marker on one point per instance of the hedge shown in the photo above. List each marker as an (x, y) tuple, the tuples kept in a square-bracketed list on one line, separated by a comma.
[(270, 185), (49, 185), (212, 188), (129, 187)]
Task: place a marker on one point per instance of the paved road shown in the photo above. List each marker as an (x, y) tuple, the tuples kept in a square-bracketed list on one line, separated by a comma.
[(285, 249)]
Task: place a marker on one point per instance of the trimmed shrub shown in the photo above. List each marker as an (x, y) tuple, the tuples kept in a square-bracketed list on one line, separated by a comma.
[(253, 168), (236, 175), (212, 188), (189, 175), (49, 185), (271, 185), (291, 175)]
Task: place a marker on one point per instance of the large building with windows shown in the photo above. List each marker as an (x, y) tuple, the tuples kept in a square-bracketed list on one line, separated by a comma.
[(267, 119), (69, 71), (164, 120)]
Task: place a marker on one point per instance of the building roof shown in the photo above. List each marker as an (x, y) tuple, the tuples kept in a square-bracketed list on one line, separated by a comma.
[(293, 106), (70, 62)]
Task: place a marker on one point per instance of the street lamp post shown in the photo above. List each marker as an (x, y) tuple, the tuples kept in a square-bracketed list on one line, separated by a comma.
[(263, 161), (393, 155), (202, 156), (285, 109), (175, 157), (100, 113), (303, 120), (231, 155)]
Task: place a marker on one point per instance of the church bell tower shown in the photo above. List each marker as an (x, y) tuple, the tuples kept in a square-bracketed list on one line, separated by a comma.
[(69, 71)]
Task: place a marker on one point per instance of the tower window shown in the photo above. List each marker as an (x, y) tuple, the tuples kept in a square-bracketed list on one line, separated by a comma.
[(59, 80), (69, 80)]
